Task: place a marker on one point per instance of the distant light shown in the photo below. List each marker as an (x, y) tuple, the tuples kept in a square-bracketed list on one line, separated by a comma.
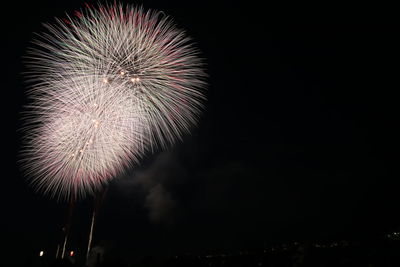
[(41, 253), (71, 253)]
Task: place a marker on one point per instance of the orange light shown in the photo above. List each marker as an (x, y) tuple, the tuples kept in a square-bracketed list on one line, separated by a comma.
[(71, 253)]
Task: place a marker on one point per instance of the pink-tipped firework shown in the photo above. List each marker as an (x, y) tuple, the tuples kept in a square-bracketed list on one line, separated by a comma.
[(105, 87)]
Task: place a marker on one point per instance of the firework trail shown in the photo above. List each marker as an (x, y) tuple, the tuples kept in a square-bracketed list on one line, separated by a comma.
[(106, 86)]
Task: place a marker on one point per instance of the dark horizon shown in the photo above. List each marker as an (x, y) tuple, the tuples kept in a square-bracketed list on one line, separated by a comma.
[(298, 139)]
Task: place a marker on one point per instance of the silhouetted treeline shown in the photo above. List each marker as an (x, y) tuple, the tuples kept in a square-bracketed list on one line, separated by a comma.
[(369, 254)]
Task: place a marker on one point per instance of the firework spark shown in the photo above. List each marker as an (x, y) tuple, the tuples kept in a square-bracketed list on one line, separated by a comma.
[(106, 87)]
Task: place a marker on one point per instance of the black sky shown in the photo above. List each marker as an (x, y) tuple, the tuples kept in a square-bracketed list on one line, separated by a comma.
[(298, 140)]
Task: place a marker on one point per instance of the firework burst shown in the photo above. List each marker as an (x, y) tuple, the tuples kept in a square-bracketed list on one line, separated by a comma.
[(106, 86)]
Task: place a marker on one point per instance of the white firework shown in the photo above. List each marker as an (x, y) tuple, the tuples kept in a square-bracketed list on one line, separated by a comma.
[(105, 87)]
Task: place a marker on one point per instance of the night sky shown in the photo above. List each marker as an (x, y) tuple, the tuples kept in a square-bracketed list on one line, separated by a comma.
[(298, 139)]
